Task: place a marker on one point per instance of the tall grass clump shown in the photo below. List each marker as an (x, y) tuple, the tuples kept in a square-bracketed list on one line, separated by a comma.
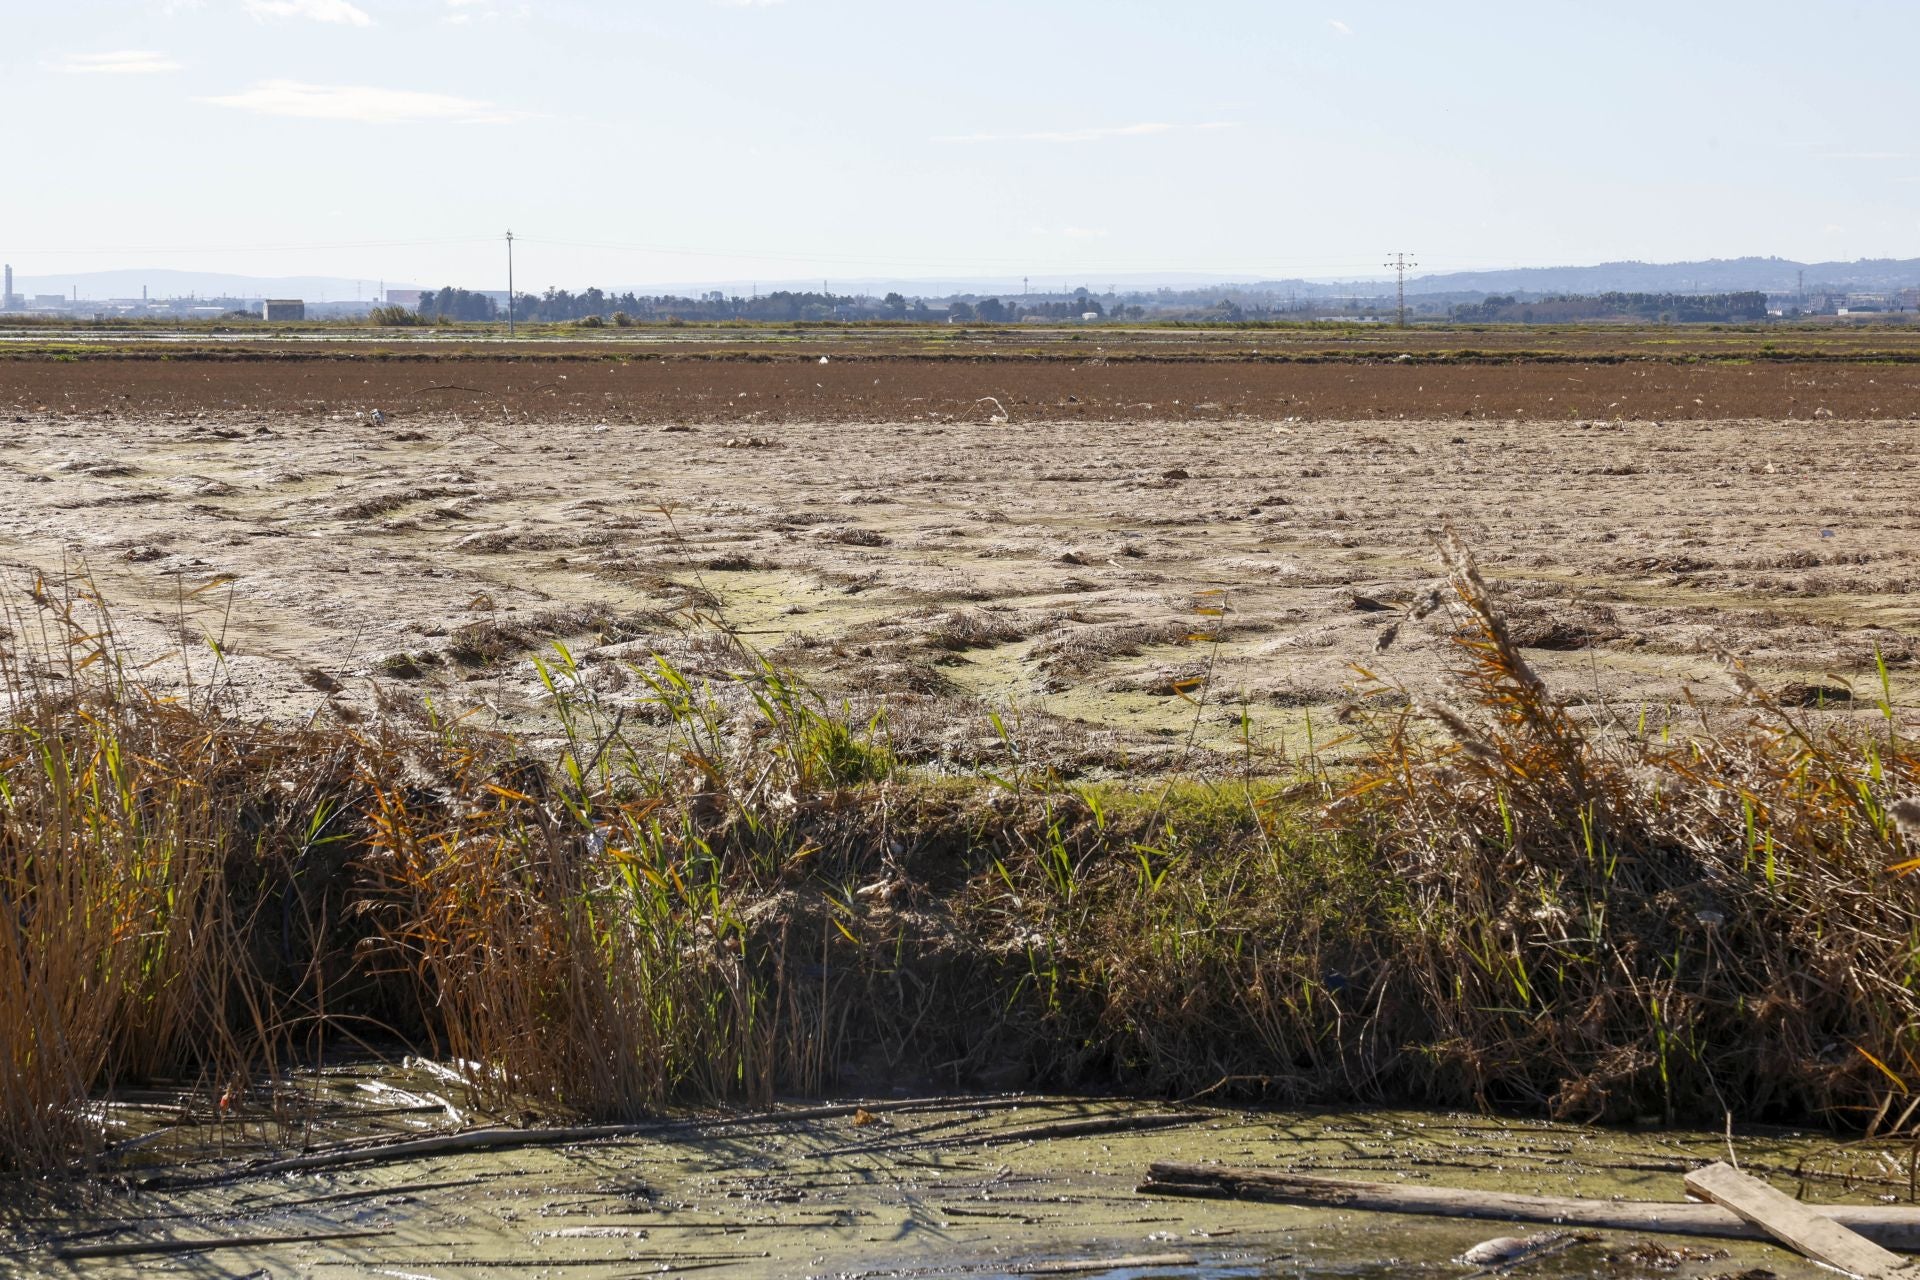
[(151, 855), (724, 889), (1625, 924)]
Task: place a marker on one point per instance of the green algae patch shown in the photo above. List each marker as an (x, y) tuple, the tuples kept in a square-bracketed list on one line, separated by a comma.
[(995, 1186)]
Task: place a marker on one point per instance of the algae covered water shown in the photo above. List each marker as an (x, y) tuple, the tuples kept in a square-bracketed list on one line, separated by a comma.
[(993, 1186)]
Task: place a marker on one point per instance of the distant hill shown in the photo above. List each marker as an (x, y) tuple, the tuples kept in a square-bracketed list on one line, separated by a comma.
[(163, 283), (1716, 275)]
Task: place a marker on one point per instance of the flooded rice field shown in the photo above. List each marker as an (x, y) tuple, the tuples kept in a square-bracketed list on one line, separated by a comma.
[(1088, 572), (317, 1182)]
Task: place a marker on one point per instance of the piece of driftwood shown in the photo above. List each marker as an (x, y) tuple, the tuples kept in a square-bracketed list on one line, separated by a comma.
[(1084, 1127), (502, 1137), (492, 1139), (1891, 1226), (1799, 1226), (138, 1248)]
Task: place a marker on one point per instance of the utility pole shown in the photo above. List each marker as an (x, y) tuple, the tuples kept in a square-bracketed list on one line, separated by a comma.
[(509, 284), (1400, 263)]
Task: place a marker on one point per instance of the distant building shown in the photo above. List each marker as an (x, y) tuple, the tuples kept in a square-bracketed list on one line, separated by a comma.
[(7, 301), (408, 298), (283, 309)]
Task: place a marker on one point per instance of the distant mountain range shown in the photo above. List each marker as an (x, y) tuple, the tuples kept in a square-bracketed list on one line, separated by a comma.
[(1716, 275), (163, 283)]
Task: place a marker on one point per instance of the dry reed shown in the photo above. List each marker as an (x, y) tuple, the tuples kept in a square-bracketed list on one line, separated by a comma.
[(738, 890)]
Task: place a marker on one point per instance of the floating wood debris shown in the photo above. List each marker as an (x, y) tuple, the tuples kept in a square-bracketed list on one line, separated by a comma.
[(1801, 1227), (139, 1248), (500, 1138), (1891, 1226)]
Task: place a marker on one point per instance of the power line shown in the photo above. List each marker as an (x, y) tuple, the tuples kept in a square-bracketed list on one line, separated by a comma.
[(1399, 264), (955, 264)]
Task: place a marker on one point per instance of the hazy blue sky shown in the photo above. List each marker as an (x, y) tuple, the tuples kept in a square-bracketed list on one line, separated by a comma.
[(638, 141)]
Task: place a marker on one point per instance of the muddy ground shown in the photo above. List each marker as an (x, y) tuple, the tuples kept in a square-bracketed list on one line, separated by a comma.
[(1087, 547), (867, 382), (950, 1187)]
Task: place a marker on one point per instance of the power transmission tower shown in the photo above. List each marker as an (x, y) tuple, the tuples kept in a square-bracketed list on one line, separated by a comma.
[(509, 284), (1401, 264)]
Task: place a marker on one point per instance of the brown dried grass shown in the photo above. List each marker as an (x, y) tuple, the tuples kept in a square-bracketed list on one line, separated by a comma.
[(741, 891)]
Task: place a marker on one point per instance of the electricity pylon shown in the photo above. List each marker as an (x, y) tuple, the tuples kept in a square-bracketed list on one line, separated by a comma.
[(1400, 264)]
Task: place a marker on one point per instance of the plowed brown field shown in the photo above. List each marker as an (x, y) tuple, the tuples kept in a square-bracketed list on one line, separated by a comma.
[(866, 388)]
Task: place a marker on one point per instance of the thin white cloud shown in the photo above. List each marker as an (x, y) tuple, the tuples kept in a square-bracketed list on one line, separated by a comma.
[(1098, 134), (746, 4), (365, 104), (339, 11), (463, 12), (1339, 27), (1869, 155), (121, 62)]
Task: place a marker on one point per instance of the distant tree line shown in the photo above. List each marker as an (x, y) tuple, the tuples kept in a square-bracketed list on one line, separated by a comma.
[(598, 307), (1677, 308), (593, 307), (457, 304), (561, 306)]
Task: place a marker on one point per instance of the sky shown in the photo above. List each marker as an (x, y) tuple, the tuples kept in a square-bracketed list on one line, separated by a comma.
[(637, 142)]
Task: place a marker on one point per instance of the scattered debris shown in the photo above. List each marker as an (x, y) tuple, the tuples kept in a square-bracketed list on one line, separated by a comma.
[(1507, 1251), (1890, 1225)]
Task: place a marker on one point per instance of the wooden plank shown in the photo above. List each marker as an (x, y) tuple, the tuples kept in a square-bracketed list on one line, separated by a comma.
[(1892, 1226), (1798, 1226)]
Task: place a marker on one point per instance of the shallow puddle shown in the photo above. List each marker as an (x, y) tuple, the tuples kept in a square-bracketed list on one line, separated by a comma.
[(984, 1187)]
